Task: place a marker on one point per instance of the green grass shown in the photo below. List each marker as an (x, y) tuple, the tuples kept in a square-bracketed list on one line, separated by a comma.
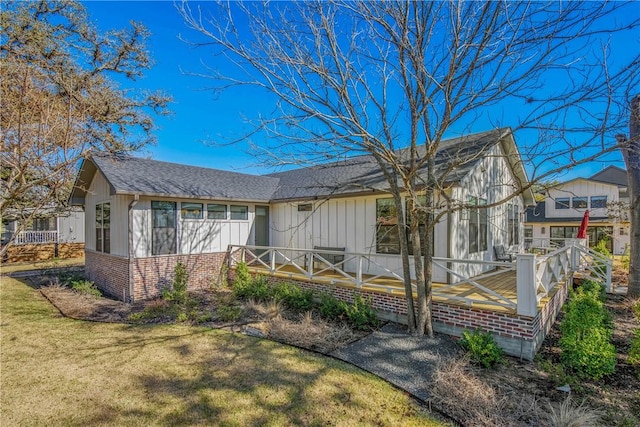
[(57, 371), (6, 268)]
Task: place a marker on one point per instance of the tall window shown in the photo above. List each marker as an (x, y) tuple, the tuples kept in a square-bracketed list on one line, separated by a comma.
[(103, 227), (163, 238), (513, 224), (478, 223), (387, 237)]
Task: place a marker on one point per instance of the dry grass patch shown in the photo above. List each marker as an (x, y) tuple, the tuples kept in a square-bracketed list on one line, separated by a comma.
[(310, 332), (570, 415), (59, 371)]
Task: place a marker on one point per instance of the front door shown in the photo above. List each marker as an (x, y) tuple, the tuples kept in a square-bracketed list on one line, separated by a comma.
[(261, 230)]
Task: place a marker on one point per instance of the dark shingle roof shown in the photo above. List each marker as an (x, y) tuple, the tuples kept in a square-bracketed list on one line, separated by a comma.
[(362, 173), (131, 175), (612, 175)]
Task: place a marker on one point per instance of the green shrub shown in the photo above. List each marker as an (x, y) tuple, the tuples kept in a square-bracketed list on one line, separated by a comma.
[(361, 314), (586, 333), (242, 279), (85, 287), (331, 308), (557, 373), (178, 291), (294, 296), (594, 288), (157, 309), (482, 348), (229, 313), (591, 356)]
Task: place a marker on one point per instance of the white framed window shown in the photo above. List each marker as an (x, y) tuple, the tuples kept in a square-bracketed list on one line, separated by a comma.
[(562, 203), (239, 212), (579, 202), (305, 207), (191, 210), (513, 224), (478, 225), (598, 202), (216, 211), (163, 237), (103, 227)]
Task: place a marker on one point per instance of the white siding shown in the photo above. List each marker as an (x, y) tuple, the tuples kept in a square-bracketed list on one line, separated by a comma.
[(194, 235), (579, 188), (71, 227), (342, 222), (99, 192)]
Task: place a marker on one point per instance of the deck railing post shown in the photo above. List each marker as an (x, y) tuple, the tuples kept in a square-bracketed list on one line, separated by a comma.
[(359, 273), (272, 258), (526, 284)]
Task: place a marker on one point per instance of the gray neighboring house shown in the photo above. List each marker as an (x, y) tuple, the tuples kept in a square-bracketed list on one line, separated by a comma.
[(51, 226), (143, 216)]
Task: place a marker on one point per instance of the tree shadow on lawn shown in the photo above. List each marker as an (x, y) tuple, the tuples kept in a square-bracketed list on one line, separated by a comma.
[(249, 381)]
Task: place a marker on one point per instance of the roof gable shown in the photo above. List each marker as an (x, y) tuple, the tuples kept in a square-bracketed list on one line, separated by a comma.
[(455, 158), (612, 175)]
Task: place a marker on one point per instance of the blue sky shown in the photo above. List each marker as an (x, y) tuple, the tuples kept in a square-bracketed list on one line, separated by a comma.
[(201, 115)]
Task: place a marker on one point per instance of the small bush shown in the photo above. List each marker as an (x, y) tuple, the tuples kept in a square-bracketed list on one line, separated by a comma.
[(331, 308), (178, 291), (229, 313), (594, 288), (155, 310), (557, 373), (242, 279), (294, 296), (482, 349), (85, 287), (586, 333), (361, 314)]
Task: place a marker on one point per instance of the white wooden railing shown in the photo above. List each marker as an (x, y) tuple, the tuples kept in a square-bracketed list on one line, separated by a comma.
[(536, 275), (35, 237)]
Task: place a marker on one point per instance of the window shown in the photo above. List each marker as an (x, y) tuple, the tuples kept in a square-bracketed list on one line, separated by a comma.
[(562, 203), (305, 207), (387, 237), (478, 220), (528, 236), (598, 202), (163, 238), (560, 234), (239, 212), (216, 211), (103, 227), (43, 224), (579, 202), (513, 224), (191, 210)]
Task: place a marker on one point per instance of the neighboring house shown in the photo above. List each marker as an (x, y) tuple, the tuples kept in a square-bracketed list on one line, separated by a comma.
[(143, 216), (53, 233), (558, 217)]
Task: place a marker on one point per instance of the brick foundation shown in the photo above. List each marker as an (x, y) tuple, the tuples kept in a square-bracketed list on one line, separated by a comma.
[(109, 272), (43, 252), (517, 335), (151, 275)]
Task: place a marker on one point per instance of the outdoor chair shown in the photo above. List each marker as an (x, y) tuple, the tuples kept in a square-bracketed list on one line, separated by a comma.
[(502, 254)]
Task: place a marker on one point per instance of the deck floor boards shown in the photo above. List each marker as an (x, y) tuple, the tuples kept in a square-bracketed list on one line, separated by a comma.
[(503, 283)]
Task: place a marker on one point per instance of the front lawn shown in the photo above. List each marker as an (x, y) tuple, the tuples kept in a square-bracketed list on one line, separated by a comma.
[(58, 371)]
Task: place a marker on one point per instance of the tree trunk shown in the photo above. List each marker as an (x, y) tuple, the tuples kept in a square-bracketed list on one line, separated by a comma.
[(632, 159)]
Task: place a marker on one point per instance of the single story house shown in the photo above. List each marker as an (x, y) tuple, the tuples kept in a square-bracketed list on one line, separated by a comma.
[(331, 227), (56, 232), (143, 216)]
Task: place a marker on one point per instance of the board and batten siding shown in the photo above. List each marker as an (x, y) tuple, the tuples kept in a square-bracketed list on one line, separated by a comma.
[(195, 236), (71, 227), (579, 188), (99, 192), (491, 179), (349, 223)]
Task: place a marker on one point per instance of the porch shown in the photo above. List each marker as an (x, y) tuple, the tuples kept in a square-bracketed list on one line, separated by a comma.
[(516, 301)]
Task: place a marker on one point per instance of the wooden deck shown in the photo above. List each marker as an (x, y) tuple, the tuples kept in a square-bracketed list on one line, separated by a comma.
[(503, 283)]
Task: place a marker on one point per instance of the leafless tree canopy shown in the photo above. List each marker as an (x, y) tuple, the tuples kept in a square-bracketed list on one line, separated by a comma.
[(60, 100), (349, 77)]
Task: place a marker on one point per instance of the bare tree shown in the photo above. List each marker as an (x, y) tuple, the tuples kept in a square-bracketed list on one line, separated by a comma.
[(632, 159), (393, 79), (60, 100)]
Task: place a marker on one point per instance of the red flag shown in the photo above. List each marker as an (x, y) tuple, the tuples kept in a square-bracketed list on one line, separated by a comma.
[(582, 231)]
